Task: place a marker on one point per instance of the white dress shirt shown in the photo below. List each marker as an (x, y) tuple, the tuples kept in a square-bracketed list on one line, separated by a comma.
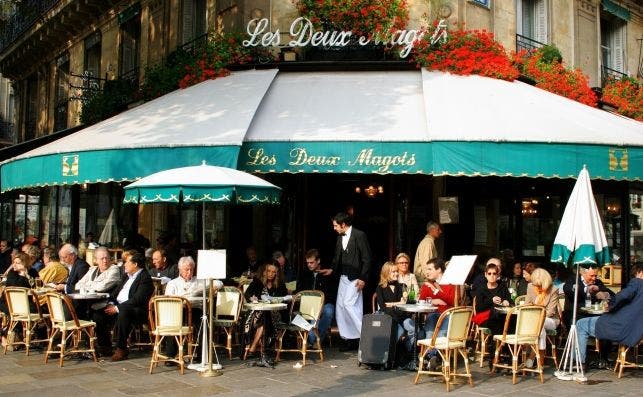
[(123, 296)]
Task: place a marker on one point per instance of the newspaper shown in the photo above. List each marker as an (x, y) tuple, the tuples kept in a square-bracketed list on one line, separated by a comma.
[(301, 322)]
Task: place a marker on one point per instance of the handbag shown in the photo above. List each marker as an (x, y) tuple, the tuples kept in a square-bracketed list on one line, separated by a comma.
[(482, 317)]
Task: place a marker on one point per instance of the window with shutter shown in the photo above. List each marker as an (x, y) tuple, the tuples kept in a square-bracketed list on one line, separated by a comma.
[(531, 19), (540, 21), (193, 19), (187, 26), (618, 52)]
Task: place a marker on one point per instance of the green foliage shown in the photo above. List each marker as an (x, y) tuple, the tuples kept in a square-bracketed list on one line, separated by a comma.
[(164, 77), (550, 54), (99, 105)]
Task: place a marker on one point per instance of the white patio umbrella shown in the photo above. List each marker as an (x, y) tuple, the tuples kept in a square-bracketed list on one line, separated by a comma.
[(201, 184), (580, 241)]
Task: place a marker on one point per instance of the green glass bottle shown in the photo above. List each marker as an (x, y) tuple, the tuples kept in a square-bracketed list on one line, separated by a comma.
[(411, 297)]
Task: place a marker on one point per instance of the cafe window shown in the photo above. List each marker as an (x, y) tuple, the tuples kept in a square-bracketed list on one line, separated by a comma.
[(540, 219), (26, 221), (100, 213), (636, 227)]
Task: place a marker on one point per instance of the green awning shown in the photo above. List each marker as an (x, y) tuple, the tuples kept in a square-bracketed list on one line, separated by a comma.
[(116, 165), (207, 121), (616, 10), (454, 158)]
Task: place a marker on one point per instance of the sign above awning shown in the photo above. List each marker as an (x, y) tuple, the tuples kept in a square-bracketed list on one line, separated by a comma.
[(204, 122)]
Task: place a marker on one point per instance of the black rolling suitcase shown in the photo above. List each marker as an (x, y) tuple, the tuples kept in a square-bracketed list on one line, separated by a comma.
[(377, 341)]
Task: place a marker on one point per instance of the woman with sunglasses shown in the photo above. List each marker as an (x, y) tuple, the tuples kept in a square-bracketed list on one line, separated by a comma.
[(490, 295)]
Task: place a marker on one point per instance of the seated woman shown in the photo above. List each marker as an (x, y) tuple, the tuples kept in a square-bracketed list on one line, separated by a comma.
[(517, 283), (404, 277), (18, 275), (488, 296), (390, 292), (542, 292), (442, 296), (268, 283)]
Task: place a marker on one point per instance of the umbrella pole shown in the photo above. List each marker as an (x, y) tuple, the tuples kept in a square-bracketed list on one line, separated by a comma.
[(203, 226), (570, 367), (203, 332)]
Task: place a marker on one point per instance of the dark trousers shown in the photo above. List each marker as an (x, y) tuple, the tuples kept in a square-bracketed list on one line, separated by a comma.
[(123, 321)]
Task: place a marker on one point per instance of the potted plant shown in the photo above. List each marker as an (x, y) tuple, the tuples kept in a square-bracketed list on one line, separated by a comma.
[(466, 52), (626, 96), (374, 20)]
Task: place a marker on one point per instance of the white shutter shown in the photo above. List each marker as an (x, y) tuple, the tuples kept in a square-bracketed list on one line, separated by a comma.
[(618, 48), (540, 21), (519, 13), (187, 27)]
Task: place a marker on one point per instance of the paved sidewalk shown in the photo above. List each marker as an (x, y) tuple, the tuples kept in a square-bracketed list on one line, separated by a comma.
[(337, 375)]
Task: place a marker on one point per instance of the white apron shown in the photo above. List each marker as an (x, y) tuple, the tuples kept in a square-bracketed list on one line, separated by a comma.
[(349, 309)]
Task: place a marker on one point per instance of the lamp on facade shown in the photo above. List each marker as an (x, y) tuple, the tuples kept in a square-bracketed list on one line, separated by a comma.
[(529, 207), (371, 190), (613, 208)]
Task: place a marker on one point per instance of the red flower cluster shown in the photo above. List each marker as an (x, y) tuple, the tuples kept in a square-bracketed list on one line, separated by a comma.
[(222, 50), (553, 77), (466, 52), (626, 95), (368, 18)]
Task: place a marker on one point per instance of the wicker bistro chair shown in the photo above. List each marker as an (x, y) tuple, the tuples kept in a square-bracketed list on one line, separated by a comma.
[(450, 346), (529, 322), (309, 305), (621, 358), (226, 317), (170, 317), (65, 322), (18, 302), (520, 300), (481, 336)]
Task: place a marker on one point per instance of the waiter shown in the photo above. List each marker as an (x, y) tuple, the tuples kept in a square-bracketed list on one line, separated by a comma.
[(352, 262)]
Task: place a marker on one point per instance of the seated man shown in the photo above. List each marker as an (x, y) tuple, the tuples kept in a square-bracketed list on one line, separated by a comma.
[(161, 267), (312, 279), (101, 278), (127, 306), (588, 283), (77, 267), (187, 286), (623, 323)]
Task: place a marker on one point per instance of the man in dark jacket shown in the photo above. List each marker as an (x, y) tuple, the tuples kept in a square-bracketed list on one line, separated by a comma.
[(127, 306), (588, 282), (311, 279), (77, 267), (623, 323), (351, 263)]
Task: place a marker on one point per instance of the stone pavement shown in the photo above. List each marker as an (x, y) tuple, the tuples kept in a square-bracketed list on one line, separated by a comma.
[(337, 375)]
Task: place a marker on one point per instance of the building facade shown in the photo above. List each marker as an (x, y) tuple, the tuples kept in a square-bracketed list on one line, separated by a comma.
[(56, 52)]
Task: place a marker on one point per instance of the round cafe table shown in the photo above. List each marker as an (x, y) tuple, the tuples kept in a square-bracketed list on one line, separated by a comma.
[(92, 296), (264, 307), (416, 309), (593, 310)]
